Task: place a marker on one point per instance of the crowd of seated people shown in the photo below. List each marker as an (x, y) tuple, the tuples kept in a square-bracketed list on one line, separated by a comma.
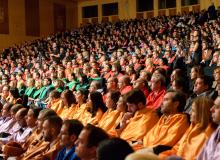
[(147, 87)]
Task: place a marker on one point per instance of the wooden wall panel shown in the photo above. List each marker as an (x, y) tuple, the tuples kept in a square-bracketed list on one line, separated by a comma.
[(185, 10), (150, 14), (32, 18), (172, 11), (4, 20), (162, 12), (85, 21), (196, 8), (140, 15), (95, 20), (105, 19), (115, 18), (59, 17)]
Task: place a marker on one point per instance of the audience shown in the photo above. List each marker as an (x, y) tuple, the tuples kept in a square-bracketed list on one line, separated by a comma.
[(128, 79)]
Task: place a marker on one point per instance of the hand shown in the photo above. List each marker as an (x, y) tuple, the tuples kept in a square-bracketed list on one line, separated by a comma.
[(126, 117)]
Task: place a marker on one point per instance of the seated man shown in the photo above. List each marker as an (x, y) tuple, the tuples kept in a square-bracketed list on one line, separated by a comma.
[(202, 87), (6, 119), (4, 94), (11, 126), (113, 149), (171, 126), (48, 148), (69, 134), (157, 85), (88, 141), (138, 115), (21, 130)]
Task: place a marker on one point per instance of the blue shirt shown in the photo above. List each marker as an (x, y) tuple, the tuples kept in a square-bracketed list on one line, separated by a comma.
[(70, 155)]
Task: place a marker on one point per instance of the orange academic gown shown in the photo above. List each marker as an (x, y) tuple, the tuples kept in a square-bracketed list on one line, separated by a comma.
[(108, 119), (51, 152), (139, 125), (34, 151), (55, 105), (112, 131), (191, 143), (167, 131), (79, 111), (68, 112), (87, 117)]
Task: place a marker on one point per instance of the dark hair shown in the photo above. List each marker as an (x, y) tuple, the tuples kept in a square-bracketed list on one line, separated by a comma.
[(55, 122), (74, 126), (47, 113), (115, 95), (70, 97), (85, 93), (50, 81), (182, 82), (23, 112), (136, 96), (84, 79), (162, 71), (96, 135), (114, 149), (16, 107), (36, 110), (8, 106), (14, 92), (97, 102), (180, 73), (179, 97), (55, 94), (207, 80), (117, 66)]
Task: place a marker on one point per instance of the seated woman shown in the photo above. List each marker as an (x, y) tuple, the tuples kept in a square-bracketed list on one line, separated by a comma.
[(14, 96), (110, 116), (122, 108), (54, 101), (81, 98), (72, 81), (59, 85), (96, 108), (83, 82), (30, 88), (68, 107), (197, 134), (39, 88)]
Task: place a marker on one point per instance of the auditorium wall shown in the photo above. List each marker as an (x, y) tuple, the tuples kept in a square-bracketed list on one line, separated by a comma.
[(127, 9), (24, 20), (19, 22)]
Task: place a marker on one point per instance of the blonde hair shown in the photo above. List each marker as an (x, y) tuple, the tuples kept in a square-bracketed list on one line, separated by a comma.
[(202, 109), (217, 70)]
